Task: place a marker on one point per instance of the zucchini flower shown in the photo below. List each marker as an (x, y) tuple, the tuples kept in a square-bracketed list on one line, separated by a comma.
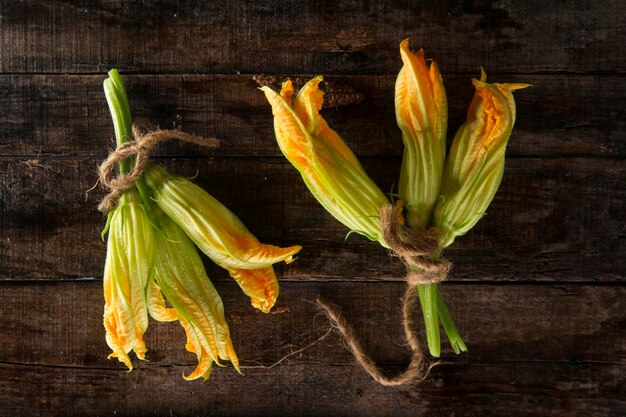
[(220, 235), (179, 274), (475, 165), (328, 167), (422, 115), (126, 273)]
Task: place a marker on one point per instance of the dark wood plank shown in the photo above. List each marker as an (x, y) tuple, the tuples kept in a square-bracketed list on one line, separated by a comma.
[(530, 390), (349, 37), (500, 323), (532, 349), (50, 116), (553, 219)]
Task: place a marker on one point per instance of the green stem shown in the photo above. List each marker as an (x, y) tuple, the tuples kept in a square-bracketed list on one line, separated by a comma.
[(122, 123), (446, 319), (434, 310), (120, 113), (429, 301), (448, 325)]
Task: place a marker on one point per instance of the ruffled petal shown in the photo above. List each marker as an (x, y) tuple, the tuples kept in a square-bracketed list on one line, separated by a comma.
[(250, 250), (415, 86), (307, 105), (193, 345), (156, 304), (291, 134), (260, 285)]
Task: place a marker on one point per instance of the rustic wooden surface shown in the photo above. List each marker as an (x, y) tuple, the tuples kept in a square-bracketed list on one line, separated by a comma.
[(539, 286)]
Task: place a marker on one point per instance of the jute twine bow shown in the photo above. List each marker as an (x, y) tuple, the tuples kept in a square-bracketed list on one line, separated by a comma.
[(415, 249), (146, 137)]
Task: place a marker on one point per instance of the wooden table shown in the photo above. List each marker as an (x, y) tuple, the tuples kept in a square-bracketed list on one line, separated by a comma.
[(538, 288)]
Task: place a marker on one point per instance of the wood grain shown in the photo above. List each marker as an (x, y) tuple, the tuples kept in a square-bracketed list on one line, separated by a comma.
[(531, 347), (538, 286), (563, 217), (321, 36), (546, 389), (60, 116), (512, 322)]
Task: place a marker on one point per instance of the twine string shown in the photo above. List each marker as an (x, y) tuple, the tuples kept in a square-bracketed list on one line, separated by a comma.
[(146, 137), (415, 249)]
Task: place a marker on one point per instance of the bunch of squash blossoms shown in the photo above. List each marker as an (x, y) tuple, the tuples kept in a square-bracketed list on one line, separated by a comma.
[(154, 229), (440, 196)]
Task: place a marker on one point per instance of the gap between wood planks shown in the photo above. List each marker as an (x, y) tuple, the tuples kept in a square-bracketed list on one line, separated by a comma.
[(268, 158), (323, 279), (337, 74), (445, 362)]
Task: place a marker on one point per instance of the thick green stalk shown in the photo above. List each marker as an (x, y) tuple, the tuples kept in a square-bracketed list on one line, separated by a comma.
[(123, 122), (434, 310), (429, 301)]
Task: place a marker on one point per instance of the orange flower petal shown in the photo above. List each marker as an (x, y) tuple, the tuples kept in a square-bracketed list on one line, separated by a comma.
[(193, 345), (260, 285), (156, 304), (415, 84), (253, 251), (306, 106), (287, 91), (291, 135)]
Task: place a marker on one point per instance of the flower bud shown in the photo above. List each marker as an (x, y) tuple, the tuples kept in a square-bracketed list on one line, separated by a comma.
[(475, 165), (179, 274), (422, 115), (220, 235), (329, 168), (127, 270)]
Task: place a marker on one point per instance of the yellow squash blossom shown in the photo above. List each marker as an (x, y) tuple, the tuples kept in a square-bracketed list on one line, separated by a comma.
[(221, 235), (422, 115), (179, 274), (329, 168), (126, 273), (475, 165)]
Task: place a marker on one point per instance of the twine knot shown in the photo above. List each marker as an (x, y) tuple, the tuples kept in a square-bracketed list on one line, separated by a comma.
[(415, 249), (146, 137)]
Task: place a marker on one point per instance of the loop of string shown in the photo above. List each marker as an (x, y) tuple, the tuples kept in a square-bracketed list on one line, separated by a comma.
[(146, 137), (415, 249)]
